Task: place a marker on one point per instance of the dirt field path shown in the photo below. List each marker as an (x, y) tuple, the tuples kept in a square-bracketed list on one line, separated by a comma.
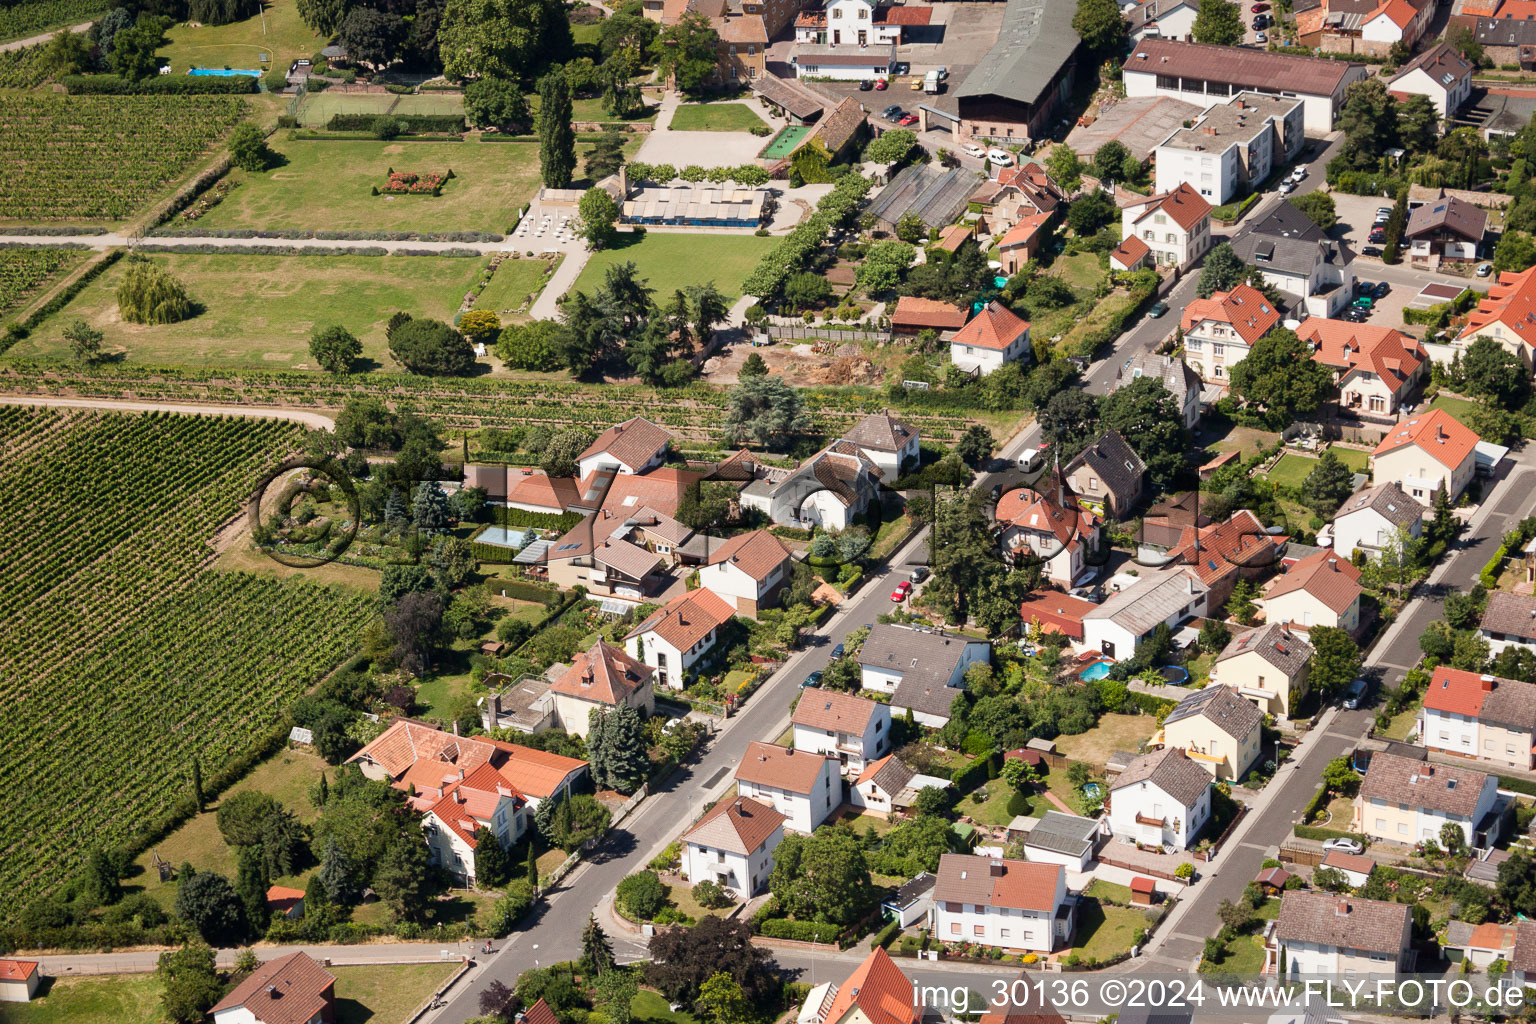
[(307, 417)]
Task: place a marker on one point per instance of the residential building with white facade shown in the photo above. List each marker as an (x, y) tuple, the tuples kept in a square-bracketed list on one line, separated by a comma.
[(673, 638), (1321, 933), (1440, 73), (748, 571), (732, 845), (886, 441), (994, 336), (1299, 260), (1161, 799), (1127, 617), (1011, 904), (1050, 523), (922, 669), (1402, 800), (602, 678), (1220, 331), (1218, 728), (1369, 520), (830, 489), (804, 786), (1232, 148), (1378, 369), (1509, 620), (1322, 589), (1175, 225), (1480, 717), (1180, 380), (855, 730), (1427, 454), (480, 799), (631, 447)]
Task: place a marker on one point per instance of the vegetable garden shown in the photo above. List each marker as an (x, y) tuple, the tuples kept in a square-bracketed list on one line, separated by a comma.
[(23, 271), (100, 157), (122, 660)]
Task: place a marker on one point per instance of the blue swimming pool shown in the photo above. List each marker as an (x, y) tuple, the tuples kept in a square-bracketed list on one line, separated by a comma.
[(223, 73), (1098, 670), (503, 537)]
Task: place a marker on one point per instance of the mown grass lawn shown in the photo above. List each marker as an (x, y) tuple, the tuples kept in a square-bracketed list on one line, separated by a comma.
[(1081, 270), (1114, 732), (278, 33), (1003, 803), (258, 311), (1404, 722), (514, 283), (329, 185), (1459, 408), (1292, 469), (107, 999), (385, 994), (1103, 930), (1357, 460), (715, 117), (668, 261), (286, 777), (650, 1007)]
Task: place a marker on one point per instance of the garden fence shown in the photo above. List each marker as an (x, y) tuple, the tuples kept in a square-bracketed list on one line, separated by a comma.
[(793, 333)]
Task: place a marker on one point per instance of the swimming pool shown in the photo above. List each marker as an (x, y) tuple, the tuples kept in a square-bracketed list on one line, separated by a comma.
[(503, 537), (224, 73), (1098, 670)]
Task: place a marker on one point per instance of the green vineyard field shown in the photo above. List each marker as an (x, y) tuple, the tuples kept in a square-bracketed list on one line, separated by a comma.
[(23, 271), (121, 658)]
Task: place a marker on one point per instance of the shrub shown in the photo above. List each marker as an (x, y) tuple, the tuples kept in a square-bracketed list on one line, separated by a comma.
[(514, 903), (431, 348), (641, 895), (885, 936)]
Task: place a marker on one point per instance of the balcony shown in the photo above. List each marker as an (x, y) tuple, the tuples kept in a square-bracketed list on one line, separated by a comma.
[(1200, 755), (1142, 819)]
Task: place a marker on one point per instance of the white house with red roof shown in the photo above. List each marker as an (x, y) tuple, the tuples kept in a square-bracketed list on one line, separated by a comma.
[(1220, 331), (1131, 254), (602, 678), (631, 447), (1378, 369), (732, 845), (1507, 315), (1051, 524), (747, 572), (1396, 21), (1481, 717), (889, 443), (291, 989), (1012, 904), (852, 729), (411, 754), (877, 992), (1426, 454), (1322, 589), (18, 980), (481, 799), (675, 636), (802, 785), (1174, 225), (994, 336)]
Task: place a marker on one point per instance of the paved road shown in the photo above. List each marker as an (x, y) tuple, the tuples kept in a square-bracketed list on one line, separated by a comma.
[(17, 44)]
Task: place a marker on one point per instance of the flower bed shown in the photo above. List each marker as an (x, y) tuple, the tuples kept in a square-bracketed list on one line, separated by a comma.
[(411, 183)]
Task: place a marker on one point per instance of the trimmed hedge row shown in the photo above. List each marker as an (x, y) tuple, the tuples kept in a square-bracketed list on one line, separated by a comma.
[(328, 236), (1091, 342), (885, 936), (525, 591), (493, 553), (161, 85), (1517, 785), (1320, 834), (443, 123), (1438, 314), (1315, 804), (969, 777), (1148, 704), (503, 516), (313, 136)]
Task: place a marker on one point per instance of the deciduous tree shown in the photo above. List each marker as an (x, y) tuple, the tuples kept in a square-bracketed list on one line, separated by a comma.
[(822, 877), (508, 39), (1336, 660), (1099, 24), (599, 213), (189, 981), (495, 102), (685, 51), (1221, 25), (1280, 375), (248, 148), (334, 347)]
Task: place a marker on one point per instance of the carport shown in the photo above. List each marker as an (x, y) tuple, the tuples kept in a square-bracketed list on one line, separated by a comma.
[(931, 118)]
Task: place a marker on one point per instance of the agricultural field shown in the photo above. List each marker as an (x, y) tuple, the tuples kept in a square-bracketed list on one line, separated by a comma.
[(23, 68), (24, 271), (329, 185), (99, 158), (673, 260), (278, 33), (258, 310), (111, 633), (30, 19)]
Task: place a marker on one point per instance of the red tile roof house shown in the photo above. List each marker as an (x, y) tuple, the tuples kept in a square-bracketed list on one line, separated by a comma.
[(1507, 315), (1222, 553), (1012, 904), (732, 844), (1050, 523), (531, 490), (292, 989), (1480, 717), (804, 786), (1175, 225), (852, 729), (993, 337), (1378, 369), (1220, 331), (1021, 242), (748, 571), (602, 678), (285, 901), (1357, 869), (675, 636), (19, 980), (1055, 612), (875, 993), (914, 315), (1322, 589), (1323, 933), (633, 446), (1425, 454)]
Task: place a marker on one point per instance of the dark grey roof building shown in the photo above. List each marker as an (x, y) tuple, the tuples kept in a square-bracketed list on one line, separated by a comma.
[(1288, 244), (1018, 84), (935, 194), (1108, 472)]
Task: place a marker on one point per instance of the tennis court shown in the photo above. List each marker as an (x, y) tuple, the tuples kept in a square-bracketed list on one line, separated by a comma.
[(318, 108), (784, 143)]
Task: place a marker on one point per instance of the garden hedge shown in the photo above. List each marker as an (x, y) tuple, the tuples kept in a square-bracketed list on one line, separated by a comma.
[(1320, 834), (1517, 785), (885, 936), (503, 516), (970, 776), (420, 123)]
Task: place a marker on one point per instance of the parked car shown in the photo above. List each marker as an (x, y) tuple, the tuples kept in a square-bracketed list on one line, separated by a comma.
[(1298, 174), (1356, 694), (1342, 846), (1001, 157), (1484, 269), (1287, 187), (1356, 315), (837, 652), (974, 151), (943, 72), (1261, 38), (1363, 302), (814, 679), (1380, 291), (907, 120), (891, 112), (865, 85), (902, 590), (1262, 21), (1158, 309), (920, 573), (882, 84), (903, 68), (1383, 214), (1369, 250), (1378, 235), (1259, 8)]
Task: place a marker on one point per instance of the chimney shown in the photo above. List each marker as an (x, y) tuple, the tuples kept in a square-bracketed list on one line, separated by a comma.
[(495, 709), (455, 727), (995, 868), (1210, 130), (1486, 683), (1342, 909), (273, 992), (623, 183)]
